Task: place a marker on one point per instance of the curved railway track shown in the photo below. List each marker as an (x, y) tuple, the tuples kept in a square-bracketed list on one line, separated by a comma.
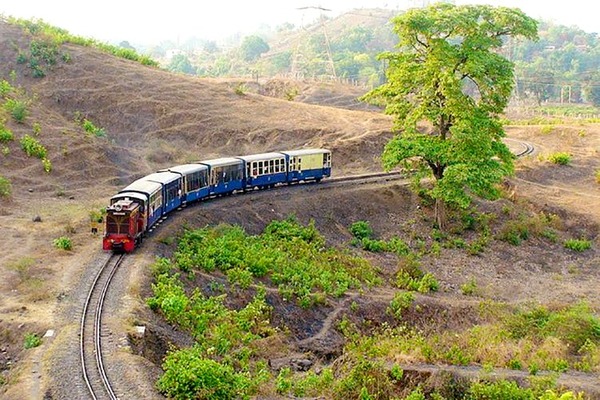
[(90, 335), (92, 364)]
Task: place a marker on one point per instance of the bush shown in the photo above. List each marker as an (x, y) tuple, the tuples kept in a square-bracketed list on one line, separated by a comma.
[(188, 375), (361, 230), (47, 165), (560, 158), (32, 147), (32, 340), (469, 288), (5, 134), (400, 302), (578, 244), (5, 88), (5, 187), (597, 175), (92, 129), (63, 243), (16, 108)]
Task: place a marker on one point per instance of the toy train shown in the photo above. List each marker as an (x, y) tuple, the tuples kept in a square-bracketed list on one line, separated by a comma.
[(138, 207)]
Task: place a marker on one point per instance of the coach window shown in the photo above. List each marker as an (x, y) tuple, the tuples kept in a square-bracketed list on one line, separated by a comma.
[(277, 165), (260, 167)]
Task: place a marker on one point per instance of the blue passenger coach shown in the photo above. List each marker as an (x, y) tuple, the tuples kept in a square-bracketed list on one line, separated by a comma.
[(195, 181), (224, 175), (264, 170), (171, 183)]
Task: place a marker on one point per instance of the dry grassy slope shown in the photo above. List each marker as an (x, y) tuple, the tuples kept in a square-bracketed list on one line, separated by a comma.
[(155, 119)]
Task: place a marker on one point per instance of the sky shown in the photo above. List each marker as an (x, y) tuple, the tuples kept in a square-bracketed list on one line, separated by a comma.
[(151, 22)]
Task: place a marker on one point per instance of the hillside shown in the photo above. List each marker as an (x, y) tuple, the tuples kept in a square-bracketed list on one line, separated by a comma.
[(153, 119)]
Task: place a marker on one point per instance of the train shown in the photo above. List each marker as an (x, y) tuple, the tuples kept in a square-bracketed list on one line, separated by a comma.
[(135, 210)]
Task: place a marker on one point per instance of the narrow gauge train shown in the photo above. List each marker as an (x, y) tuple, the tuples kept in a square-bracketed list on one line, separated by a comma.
[(139, 206)]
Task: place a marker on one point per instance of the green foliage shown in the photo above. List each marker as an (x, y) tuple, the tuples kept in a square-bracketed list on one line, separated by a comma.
[(5, 187), (32, 147), (560, 158), (500, 390), (5, 88), (6, 134), (180, 63), (63, 243), (410, 277), (366, 380), (469, 288), (291, 255), (361, 230), (54, 36), (400, 302), (575, 325), (189, 375), (17, 109), (578, 244), (37, 128), (597, 176), (449, 73), (92, 129), (47, 164), (252, 47), (32, 340), (311, 384)]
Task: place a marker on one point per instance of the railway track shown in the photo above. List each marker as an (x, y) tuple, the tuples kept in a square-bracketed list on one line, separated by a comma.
[(90, 338)]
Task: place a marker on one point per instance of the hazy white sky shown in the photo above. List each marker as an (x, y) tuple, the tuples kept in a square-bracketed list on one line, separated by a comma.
[(149, 21)]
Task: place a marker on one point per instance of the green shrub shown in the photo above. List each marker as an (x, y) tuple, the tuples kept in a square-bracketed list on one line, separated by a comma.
[(47, 165), (92, 129), (469, 288), (33, 147), (578, 244), (400, 302), (189, 375), (597, 176), (17, 109), (32, 340), (5, 187), (560, 158), (373, 245), (6, 134), (500, 390), (63, 243), (5, 88), (361, 230)]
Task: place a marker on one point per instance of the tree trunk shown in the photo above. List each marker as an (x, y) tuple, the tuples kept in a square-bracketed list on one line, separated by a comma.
[(440, 214)]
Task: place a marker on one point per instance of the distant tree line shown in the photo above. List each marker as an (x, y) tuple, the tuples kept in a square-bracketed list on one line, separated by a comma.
[(562, 66)]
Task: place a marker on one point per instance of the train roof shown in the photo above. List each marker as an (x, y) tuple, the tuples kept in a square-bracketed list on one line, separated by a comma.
[(186, 168), (303, 152), (142, 186), (162, 177), (263, 156), (132, 195), (220, 162)]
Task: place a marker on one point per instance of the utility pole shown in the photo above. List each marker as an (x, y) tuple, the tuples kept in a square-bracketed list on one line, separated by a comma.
[(327, 43)]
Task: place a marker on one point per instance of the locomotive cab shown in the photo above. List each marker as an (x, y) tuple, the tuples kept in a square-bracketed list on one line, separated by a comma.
[(124, 225)]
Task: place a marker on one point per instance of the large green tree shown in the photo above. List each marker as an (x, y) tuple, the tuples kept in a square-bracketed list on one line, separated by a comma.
[(447, 73)]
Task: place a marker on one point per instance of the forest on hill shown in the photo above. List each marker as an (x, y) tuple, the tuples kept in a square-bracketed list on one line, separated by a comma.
[(561, 67)]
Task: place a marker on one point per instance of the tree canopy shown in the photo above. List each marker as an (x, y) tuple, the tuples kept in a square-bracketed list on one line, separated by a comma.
[(252, 47), (447, 73)]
